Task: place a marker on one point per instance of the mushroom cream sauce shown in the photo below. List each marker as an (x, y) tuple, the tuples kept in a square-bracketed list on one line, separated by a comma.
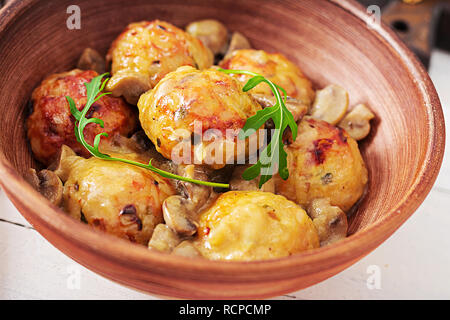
[(163, 80)]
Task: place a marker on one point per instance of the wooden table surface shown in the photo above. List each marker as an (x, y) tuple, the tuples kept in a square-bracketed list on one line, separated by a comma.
[(413, 264)]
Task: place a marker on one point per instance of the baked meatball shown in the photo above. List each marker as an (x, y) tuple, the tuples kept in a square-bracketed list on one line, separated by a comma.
[(252, 225), (51, 124), (115, 197), (275, 67), (189, 105), (323, 162), (146, 51)]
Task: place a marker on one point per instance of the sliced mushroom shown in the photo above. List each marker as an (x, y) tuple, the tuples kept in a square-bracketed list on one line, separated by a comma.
[(186, 249), (295, 106), (90, 59), (357, 122), (47, 183), (212, 33), (239, 183), (330, 221), (128, 84), (177, 215), (238, 41), (163, 239), (180, 212), (63, 165), (196, 194), (330, 104)]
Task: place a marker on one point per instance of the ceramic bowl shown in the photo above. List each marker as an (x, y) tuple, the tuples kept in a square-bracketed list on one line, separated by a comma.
[(332, 42)]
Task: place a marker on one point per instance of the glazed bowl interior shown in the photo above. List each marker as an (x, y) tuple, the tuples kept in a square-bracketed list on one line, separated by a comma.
[(331, 43)]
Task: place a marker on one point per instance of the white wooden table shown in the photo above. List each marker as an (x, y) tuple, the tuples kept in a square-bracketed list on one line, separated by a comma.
[(414, 263)]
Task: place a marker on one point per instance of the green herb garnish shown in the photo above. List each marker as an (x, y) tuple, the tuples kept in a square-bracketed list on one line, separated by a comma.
[(94, 92), (273, 155)]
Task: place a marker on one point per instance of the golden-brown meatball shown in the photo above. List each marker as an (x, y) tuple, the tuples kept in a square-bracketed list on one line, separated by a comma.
[(146, 51), (115, 197), (51, 124), (275, 67), (323, 162), (252, 225), (185, 105)]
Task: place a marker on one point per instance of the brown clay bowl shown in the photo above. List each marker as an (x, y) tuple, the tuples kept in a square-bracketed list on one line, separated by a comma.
[(328, 39)]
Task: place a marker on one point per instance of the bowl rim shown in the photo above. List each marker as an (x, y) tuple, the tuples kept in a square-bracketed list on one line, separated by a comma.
[(349, 250)]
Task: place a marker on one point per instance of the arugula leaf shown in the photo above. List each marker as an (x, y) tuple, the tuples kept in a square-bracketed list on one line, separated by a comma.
[(274, 156), (271, 159), (94, 92)]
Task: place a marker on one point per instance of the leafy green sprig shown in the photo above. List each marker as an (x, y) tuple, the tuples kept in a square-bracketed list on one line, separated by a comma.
[(273, 155), (271, 158), (94, 91)]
